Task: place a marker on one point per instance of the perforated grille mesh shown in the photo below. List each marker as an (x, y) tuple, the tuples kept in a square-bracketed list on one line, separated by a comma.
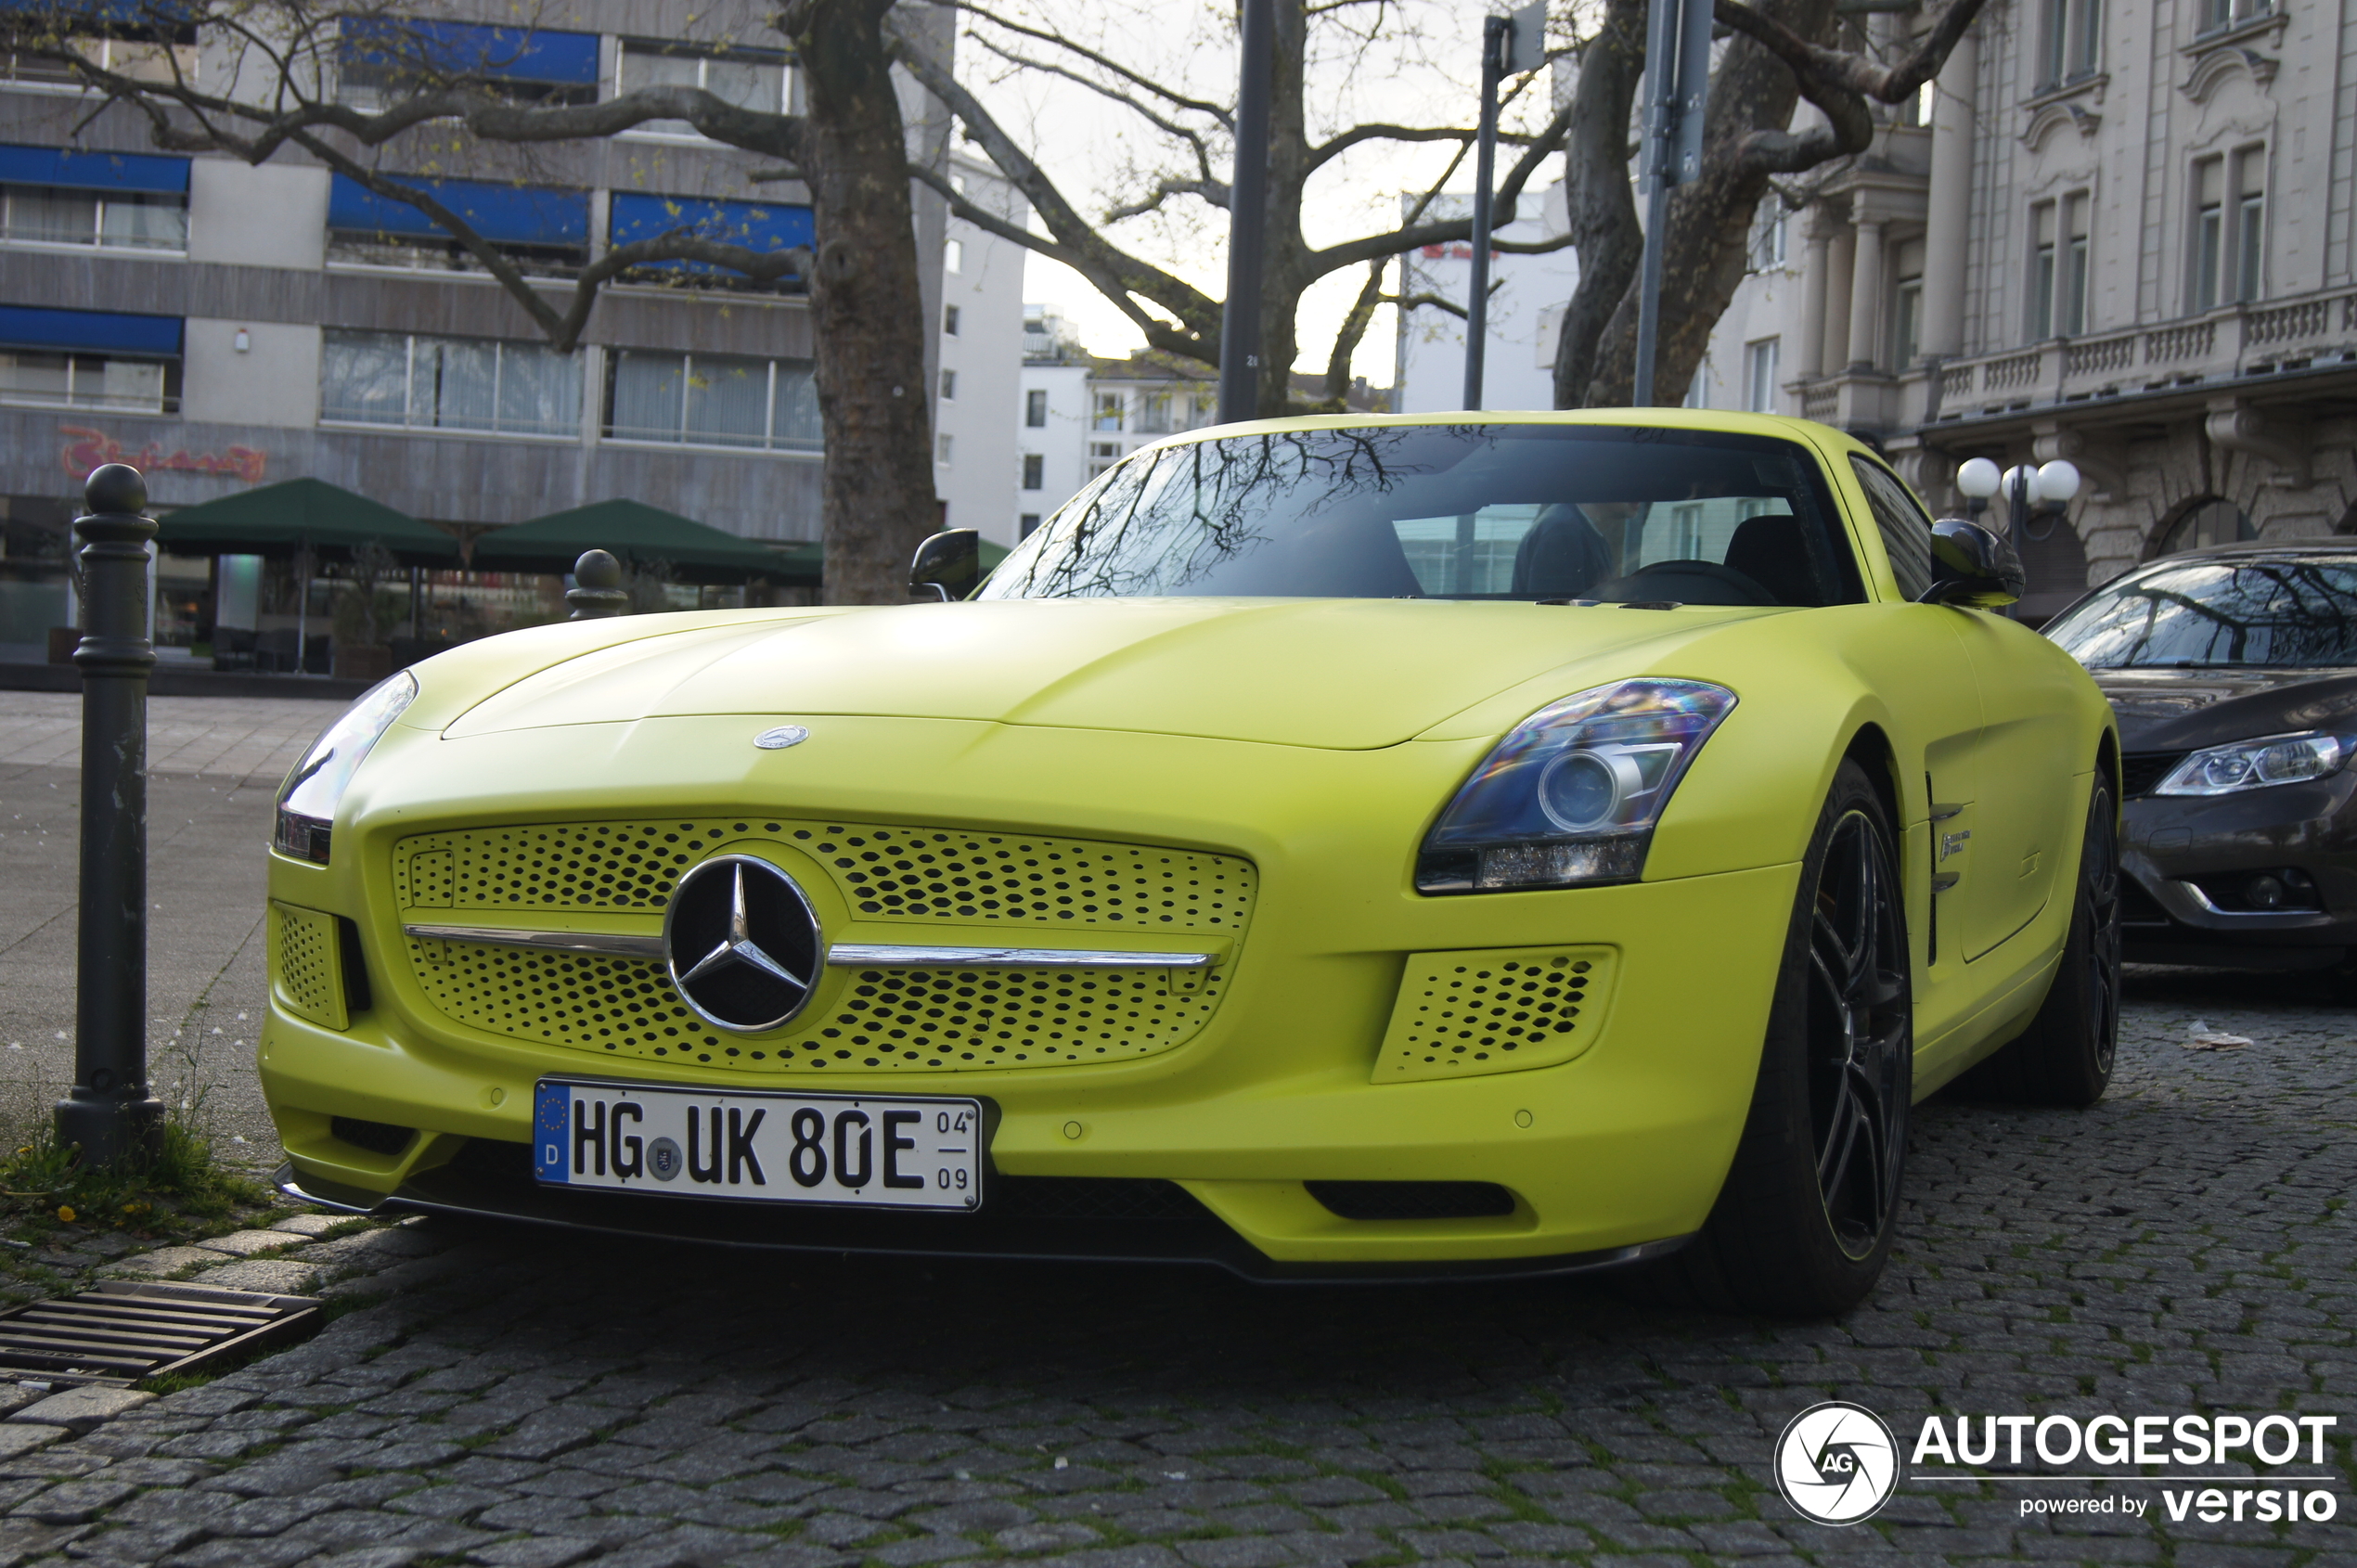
[(1498, 1011), (925, 1020), (891, 873), (306, 976)]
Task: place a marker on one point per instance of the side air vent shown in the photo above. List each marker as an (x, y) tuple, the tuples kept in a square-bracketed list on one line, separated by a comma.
[(1413, 1200), (376, 1138)]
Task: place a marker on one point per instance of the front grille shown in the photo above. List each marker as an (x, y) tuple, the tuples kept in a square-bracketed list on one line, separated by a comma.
[(2138, 907), (1496, 1010), (890, 872), (305, 972), (2140, 772), (376, 1138), (1413, 1200), (924, 1020)]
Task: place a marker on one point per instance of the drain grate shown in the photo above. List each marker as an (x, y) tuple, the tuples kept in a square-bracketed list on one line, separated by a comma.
[(127, 1329)]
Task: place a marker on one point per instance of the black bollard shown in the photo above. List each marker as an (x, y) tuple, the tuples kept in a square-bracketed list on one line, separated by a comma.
[(597, 591), (110, 1113)]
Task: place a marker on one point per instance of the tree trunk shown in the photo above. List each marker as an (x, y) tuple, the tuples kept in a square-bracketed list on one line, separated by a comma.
[(1284, 277), (866, 306)]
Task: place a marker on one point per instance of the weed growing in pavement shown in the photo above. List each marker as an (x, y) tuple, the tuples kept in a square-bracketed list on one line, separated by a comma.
[(180, 1189)]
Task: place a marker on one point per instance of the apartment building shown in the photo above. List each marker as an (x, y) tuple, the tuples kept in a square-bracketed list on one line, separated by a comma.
[(1080, 415), (981, 333), (2116, 231), (222, 324)]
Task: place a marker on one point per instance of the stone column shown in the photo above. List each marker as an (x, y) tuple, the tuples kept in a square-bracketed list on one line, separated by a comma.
[(1810, 359), (1840, 256), (1865, 297), (1950, 218)]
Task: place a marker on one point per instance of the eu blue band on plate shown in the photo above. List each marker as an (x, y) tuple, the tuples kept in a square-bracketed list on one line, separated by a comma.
[(552, 1128)]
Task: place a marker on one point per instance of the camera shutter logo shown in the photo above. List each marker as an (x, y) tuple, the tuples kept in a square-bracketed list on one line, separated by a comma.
[(1836, 1463), (741, 943)]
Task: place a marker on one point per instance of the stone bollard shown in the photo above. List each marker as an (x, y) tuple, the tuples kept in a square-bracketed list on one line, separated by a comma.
[(110, 1113), (597, 591)]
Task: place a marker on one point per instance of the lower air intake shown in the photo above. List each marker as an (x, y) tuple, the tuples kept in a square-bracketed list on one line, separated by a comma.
[(1413, 1200), (376, 1138)]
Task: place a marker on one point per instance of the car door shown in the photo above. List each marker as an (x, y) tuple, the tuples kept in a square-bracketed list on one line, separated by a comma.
[(1920, 666), (2003, 849)]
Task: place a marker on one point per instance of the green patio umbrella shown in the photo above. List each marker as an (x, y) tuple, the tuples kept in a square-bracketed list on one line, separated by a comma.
[(637, 533), (302, 518)]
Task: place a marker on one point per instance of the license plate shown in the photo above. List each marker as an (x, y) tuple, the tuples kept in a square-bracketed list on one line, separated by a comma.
[(885, 1151)]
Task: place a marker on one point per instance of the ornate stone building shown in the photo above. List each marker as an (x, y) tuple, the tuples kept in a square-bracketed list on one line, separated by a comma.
[(2116, 231)]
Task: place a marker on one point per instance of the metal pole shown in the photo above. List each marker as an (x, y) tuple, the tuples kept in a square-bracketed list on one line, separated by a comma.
[(1248, 220), (1497, 33), (109, 1112), (1661, 86)]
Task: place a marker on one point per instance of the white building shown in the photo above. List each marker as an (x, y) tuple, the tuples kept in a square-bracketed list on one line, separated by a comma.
[(1080, 415), (1526, 301), (981, 336)]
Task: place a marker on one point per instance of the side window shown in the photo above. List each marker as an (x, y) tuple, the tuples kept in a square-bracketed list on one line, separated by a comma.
[(1906, 532)]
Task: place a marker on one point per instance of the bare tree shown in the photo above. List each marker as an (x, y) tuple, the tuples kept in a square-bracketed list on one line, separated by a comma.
[(1781, 54), (1173, 315), (849, 148)]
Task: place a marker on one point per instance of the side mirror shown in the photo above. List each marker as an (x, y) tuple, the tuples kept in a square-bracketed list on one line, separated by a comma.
[(947, 567), (1972, 567)]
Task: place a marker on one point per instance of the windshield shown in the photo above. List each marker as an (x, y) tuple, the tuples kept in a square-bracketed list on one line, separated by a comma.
[(2215, 613), (1451, 512)]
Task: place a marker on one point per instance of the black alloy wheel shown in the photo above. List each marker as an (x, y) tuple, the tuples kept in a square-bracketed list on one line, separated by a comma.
[(2065, 1057), (1860, 1035), (1808, 1211)]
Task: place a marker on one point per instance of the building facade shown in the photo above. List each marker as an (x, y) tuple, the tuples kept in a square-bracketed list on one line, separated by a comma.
[(1080, 415), (2116, 231), (1525, 302), (222, 324), (975, 467)]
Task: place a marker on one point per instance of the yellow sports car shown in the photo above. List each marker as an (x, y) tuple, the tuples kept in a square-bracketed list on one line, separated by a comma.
[(1330, 848)]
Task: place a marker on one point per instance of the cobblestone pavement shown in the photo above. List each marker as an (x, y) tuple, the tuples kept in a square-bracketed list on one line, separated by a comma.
[(501, 1398)]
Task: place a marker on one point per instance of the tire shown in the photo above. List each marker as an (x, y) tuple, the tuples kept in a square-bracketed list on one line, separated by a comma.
[(1805, 1222), (2064, 1057)]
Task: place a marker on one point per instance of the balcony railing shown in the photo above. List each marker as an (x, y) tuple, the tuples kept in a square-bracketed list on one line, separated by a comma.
[(2243, 340)]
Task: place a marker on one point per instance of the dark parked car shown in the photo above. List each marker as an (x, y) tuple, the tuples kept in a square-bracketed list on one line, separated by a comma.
[(2234, 671)]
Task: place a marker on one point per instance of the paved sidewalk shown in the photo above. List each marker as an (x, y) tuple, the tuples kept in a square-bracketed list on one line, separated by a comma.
[(514, 1399)]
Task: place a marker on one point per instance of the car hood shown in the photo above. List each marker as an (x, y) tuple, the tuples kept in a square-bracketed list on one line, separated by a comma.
[(2179, 710), (1343, 674)]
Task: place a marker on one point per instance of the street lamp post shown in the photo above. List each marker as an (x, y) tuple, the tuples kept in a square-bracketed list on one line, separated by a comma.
[(1248, 220), (109, 1112)]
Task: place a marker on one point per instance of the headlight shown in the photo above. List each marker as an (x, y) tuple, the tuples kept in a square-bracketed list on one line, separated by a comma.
[(1572, 794), (307, 800), (2254, 765)]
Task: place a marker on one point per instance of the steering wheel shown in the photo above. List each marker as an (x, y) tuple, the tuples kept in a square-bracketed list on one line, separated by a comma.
[(1645, 584)]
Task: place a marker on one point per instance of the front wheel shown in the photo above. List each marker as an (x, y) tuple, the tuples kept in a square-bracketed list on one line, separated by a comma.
[(1805, 1222)]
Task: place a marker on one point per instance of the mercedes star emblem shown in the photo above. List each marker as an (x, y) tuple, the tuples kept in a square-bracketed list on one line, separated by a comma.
[(778, 739), (741, 943)]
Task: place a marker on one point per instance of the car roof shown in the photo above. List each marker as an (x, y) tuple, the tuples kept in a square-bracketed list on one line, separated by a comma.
[(1807, 432), (2342, 546)]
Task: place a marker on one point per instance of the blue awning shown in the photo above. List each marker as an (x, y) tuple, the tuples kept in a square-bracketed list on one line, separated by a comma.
[(509, 214), (92, 171), (761, 226), (168, 15), (456, 48), (30, 327)]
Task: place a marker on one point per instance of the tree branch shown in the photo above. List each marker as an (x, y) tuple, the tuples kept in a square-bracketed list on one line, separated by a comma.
[(1414, 236), (1223, 115)]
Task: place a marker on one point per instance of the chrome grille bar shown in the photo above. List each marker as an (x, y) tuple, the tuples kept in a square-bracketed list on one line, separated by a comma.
[(932, 957), (610, 945)]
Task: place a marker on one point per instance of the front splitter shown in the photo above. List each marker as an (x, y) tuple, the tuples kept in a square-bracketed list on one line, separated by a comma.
[(1202, 1241)]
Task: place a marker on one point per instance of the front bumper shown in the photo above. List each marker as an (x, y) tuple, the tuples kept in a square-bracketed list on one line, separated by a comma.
[(2190, 859), (1623, 1146)]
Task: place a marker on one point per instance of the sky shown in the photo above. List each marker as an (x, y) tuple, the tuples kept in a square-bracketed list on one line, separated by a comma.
[(1397, 61)]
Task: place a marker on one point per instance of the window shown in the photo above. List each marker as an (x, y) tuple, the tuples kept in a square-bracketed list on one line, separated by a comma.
[(144, 54), (1906, 322), (2071, 41), (763, 227), (2209, 231), (953, 255), (2040, 300), (754, 78), (1035, 409), (712, 400), (2250, 221), (2219, 15), (418, 382), (1027, 525), (90, 359), (1153, 414), (1034, 472), (2070, 309), (124, 200), (1768, 233), (1105, 449), (380, 59), (1906, 531), (946, 445), (949, 320), (1759, 375), (948, 386), (543, 229), (1108, 415)]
